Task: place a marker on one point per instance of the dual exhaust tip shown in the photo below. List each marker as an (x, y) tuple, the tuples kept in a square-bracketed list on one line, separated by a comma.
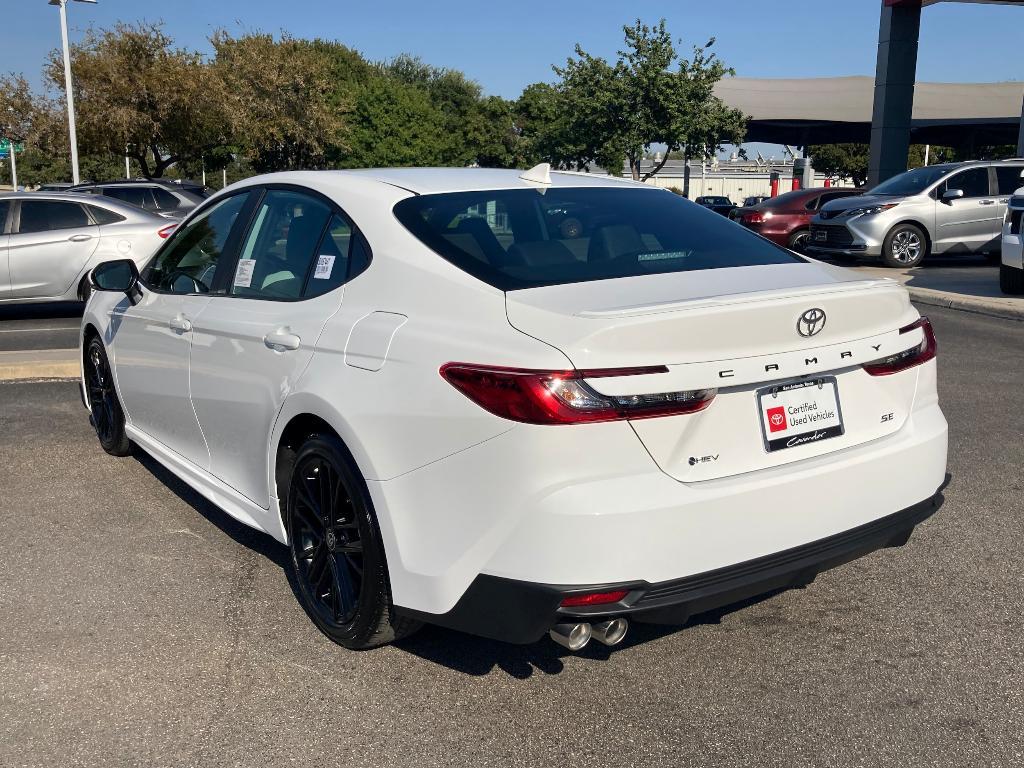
[(576, 635)]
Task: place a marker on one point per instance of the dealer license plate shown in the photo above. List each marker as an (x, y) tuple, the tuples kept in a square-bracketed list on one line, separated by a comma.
[(799, 413)]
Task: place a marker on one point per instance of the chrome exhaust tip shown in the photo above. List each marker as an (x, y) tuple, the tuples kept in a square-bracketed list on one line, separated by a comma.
[(611, 632), (571, 636)]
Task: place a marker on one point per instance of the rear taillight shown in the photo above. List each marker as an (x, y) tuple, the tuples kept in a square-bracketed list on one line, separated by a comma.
[(563, 397), (753, 218), (166, 231), (908, 358)]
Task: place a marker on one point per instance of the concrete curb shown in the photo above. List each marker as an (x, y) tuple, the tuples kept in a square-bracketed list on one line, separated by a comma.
[(39, 364), (966, 303)]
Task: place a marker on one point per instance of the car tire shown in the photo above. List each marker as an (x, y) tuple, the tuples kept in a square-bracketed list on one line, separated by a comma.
[(799, 240), (1011, 280), (84, 289), (106, 414), (337, 555), (905, 246)]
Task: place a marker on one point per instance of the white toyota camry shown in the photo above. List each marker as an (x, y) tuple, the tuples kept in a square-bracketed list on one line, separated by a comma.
[(517, 403)]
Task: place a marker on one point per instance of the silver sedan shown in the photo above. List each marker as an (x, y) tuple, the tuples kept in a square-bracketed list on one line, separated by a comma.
[(49, 242)]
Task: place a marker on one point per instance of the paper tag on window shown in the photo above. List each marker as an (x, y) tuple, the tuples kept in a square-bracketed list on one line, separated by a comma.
[(324, 267), (243, 273)]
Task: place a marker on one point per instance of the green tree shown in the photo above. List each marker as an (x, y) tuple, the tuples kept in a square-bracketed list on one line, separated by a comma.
[(283, 109), (614, 113), (137, 94)]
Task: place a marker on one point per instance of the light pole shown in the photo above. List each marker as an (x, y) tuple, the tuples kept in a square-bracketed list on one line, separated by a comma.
[(11, 143), (67, 83)]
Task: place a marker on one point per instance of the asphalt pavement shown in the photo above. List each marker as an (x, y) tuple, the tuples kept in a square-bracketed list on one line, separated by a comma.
[(142, 626), (39, 326)]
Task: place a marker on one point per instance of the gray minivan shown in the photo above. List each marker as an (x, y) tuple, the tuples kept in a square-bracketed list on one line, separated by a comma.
[(948, 208)]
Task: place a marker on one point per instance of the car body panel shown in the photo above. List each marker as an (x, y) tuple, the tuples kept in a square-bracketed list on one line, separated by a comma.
[(458, 491)]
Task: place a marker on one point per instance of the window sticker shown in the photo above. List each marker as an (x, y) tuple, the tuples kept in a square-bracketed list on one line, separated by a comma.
[(664, 255), (324, 267), (243, 273)]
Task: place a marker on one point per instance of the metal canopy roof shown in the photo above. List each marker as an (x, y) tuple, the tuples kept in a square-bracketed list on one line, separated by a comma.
[(838, 109)]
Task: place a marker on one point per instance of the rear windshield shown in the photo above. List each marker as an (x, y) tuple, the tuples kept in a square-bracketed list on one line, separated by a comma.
[(524, 238)]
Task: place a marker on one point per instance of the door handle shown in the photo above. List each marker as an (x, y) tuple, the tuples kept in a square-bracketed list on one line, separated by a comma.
[(80, 238), (180, 324), (987, 202), (281, 340)]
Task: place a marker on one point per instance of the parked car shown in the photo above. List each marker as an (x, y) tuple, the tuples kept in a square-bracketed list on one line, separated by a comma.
[(56, 186), (170, 199), (948, 208), (786, 218), (1011, 268), (749, 202), (49, 242), (518, 435), (716, 203)]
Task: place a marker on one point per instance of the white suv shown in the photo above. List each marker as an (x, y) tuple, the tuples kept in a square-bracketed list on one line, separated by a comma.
[(454, 410)]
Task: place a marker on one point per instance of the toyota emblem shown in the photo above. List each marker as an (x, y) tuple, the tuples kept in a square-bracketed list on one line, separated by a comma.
[(811, 322)]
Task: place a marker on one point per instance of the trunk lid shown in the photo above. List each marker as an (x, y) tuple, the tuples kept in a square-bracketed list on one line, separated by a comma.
[(734, 330)]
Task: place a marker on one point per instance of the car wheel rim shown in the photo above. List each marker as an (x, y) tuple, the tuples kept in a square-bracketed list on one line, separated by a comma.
[(325, 541), (906, 247), (801, 242), (101, 395)]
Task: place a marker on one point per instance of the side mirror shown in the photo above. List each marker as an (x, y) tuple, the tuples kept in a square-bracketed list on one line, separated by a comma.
[(952, 194), (121, 276)]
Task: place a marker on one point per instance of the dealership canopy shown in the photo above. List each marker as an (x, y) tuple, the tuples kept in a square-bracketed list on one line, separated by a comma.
[(838, 109)]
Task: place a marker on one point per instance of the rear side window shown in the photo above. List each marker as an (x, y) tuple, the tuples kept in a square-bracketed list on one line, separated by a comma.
[(133, 195), (45, 215), (103, 215), (522, 238), (280, 247), (5, 207), (165, 201), (332, 258), (188, 263), (1009, 179)]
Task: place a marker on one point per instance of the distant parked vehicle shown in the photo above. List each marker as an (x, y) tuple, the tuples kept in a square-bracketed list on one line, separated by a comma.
[(1011, 270), (49, 242), (716, 203), (57, 186), (170, 199), (753, 200), (947, 208), (786, 219)]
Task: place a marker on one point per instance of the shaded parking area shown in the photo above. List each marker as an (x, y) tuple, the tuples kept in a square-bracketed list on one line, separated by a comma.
[(144, 626)]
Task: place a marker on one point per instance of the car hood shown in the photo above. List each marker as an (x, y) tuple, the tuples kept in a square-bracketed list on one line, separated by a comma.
[(857, 201)]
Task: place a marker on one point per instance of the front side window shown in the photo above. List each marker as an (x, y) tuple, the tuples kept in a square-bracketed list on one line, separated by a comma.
[(280, 247), (973, 182), (46, 215), (521, 238), (5, 206), (189, 261)]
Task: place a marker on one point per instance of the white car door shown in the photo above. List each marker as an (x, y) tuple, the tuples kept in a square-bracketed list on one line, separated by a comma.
[(49, 245), (150, 341), (251, 345)]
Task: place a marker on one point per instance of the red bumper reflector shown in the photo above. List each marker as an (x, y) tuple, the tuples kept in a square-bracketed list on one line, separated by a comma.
[(594, 598)]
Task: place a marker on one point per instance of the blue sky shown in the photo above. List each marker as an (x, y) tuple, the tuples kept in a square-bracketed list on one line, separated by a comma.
[(505, 50)]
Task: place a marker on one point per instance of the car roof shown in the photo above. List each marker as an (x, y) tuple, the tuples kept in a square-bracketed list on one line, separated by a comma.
[(423, 181)]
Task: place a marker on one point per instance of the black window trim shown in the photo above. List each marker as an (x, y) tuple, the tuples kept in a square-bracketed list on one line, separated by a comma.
[(332, 206)]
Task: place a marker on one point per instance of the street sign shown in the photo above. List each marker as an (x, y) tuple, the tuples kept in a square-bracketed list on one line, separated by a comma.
[(5, 146)]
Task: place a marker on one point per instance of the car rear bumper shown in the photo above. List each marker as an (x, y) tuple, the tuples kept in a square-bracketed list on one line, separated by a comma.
[(522, 612)]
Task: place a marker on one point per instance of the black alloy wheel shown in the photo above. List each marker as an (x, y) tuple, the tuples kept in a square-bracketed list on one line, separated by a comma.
[(107, 417), (336, 551)]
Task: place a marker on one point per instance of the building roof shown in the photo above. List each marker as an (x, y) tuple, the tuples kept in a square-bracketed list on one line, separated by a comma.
[(824, 110)]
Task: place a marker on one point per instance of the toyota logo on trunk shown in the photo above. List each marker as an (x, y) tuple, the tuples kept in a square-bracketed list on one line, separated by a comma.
[(811, 322)]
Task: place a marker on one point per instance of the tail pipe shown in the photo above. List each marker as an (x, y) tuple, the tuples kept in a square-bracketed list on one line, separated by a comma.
[(576, 635)]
